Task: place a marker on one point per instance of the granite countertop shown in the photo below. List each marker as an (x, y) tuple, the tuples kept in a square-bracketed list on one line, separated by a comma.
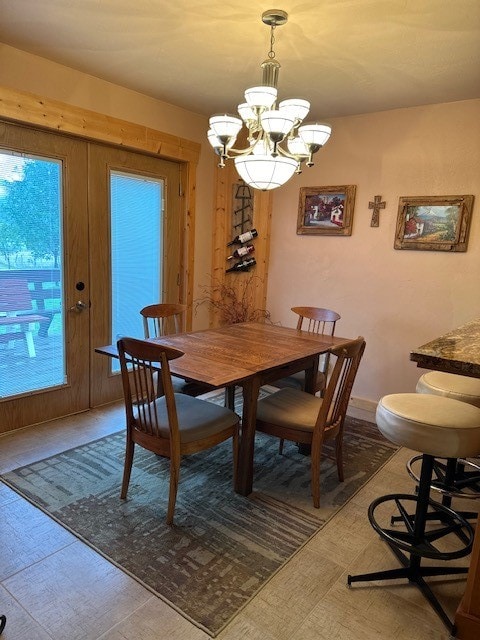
[(455, 352)]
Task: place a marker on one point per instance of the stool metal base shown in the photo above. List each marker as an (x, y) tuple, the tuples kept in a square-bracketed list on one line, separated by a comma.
[(414, 573), (450, 523), (3, 622), (451, 478), (420, 538)]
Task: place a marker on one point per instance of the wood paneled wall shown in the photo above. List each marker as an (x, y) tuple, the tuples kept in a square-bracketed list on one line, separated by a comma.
[(225, 179)]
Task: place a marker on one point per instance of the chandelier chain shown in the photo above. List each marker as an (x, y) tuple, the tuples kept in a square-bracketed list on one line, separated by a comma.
[(271, 53)]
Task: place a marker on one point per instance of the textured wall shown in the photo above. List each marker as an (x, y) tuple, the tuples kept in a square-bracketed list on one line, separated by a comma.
[(397, 299)]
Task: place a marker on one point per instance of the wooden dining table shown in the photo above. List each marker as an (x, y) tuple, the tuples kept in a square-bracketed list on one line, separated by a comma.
[(249, 355), (458, 352)]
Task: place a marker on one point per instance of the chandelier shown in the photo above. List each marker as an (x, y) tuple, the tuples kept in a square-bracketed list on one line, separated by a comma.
[(278, 142)]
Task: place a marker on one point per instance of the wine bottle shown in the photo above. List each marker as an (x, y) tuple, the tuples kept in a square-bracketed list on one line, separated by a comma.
[(244, 265), (244, 237), (242, 251)]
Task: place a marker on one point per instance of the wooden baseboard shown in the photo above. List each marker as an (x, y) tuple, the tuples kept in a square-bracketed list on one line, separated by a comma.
[(362, 409)]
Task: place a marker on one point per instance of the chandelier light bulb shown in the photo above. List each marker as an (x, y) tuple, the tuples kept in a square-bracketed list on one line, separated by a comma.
[(277, 141)]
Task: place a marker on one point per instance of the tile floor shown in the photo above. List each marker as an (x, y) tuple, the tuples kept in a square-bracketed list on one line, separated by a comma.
[(52, 586)]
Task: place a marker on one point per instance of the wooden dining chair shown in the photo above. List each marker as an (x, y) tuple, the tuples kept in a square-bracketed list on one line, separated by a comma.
[(165, 318), (292, 414), (314, 320), (167, 423), (162, 318)]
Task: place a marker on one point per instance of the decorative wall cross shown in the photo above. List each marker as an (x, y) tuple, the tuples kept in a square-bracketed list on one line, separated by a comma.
[(376, 205)]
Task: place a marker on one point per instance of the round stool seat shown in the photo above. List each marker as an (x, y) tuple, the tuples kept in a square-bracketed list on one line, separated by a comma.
[(450, 385), (434, 425)]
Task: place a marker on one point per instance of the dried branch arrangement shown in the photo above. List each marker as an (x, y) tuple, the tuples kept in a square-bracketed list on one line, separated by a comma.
[(232, 304)]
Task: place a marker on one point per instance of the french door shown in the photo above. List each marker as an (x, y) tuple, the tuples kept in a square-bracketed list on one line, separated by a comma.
[(44, 228), (87, 233), (135, 250)]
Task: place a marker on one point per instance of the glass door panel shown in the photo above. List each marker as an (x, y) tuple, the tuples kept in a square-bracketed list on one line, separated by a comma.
[(136, 257), (32, 332)]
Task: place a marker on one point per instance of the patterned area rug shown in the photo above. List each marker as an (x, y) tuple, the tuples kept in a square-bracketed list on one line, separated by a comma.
[(223, 547)]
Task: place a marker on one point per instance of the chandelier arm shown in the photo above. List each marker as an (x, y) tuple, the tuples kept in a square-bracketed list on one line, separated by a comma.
[(238, 152), (295, 156)]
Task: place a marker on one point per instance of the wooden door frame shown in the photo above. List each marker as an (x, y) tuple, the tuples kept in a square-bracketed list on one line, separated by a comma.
[(28, 108)]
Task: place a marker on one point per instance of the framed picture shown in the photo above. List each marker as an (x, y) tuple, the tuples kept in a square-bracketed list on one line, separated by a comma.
[(434, 223), (326, 211)]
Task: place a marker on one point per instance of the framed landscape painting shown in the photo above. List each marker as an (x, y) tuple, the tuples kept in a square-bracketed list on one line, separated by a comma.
[(326, 211), (434, 223)]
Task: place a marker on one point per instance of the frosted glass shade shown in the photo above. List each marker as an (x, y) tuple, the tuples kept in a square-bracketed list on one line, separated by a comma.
[(246, 112), (225, 126), (298, 147), (261, 171), (276, 122), (295, 108), (315, 134), (213, 139), (261, 97)]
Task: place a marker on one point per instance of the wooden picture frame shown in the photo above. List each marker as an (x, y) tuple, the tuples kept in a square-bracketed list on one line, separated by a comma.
[(434, 223), (326, 211)]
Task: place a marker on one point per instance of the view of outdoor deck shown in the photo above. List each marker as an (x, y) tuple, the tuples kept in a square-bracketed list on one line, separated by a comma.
[(31, 339)]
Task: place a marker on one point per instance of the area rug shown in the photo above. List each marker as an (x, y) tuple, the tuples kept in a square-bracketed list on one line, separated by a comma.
[(223, 547)]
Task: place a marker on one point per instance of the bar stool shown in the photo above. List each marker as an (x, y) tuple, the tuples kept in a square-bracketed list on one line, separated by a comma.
[(437, 427), (450, 385), (452, 478)]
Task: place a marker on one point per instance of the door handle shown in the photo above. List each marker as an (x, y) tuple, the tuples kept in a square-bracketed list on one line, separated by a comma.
[(78, 307)]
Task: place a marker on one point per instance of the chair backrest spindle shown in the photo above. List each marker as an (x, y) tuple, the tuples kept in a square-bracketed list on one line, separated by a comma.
[(320, 321), (337, 394)]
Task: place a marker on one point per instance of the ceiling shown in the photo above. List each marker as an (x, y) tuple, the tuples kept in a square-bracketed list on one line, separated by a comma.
[(345, 56)]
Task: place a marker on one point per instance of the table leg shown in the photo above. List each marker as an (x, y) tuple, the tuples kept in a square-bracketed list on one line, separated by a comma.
[(311, 375), (244, 479)]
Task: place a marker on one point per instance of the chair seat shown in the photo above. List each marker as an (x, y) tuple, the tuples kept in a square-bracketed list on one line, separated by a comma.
[(197, 419), (434, 425), (290, 408), (450, 385)]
